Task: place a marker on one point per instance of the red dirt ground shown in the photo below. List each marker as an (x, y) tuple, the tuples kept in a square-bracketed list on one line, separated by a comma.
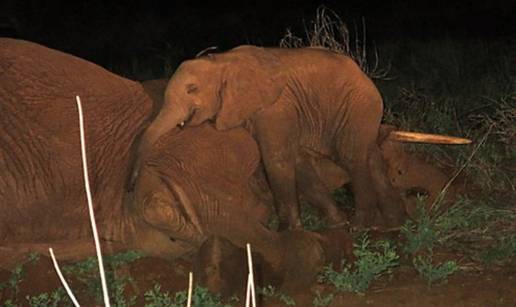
[(494, 286)]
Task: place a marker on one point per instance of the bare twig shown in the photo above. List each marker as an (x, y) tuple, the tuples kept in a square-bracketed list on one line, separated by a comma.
[(327, 30), (90, 206), (440, 197)]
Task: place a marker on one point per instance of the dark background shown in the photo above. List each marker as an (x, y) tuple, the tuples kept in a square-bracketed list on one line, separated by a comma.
[(122, 36)]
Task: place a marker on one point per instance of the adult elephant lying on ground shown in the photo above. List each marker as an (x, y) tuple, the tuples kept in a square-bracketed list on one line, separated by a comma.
[(293, 101), (41, 187), (198, 185)]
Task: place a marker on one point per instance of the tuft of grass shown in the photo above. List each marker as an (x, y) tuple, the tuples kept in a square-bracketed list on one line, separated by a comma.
[(420, 234), (433, 273), (373, 260), (504, 251), (462, 226)]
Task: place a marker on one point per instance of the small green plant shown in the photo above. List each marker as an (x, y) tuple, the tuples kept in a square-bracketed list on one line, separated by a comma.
[(156, 298), (56, 298), (201, 297), (271, 292), (420, 234), (87, 272), (504, 250), (433, 273), (373, 260), (33, 257), (16, 277), (10, 303), (322, 301)]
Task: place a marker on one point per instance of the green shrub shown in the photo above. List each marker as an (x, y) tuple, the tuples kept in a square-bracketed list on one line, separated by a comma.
[(373, 260)]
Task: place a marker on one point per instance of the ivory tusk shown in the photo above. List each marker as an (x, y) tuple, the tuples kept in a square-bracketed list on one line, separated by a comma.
[(416, 137)]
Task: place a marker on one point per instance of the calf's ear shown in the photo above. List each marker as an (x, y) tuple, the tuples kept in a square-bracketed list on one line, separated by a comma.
[(253, 79)]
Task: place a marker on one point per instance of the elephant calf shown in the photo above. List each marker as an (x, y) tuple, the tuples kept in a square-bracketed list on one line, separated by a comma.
[(318, 176), (294, 102)]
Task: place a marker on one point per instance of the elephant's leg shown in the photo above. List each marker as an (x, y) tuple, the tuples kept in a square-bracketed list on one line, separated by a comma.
[(315, 192), (276, 133)]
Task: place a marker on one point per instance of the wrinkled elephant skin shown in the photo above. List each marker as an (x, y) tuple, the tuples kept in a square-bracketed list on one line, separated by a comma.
[(42, 197)]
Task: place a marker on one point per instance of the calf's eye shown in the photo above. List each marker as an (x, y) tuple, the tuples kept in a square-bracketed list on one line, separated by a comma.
[(191, 88)]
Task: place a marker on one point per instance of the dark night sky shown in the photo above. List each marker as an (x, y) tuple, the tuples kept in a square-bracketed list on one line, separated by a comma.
[(108, 32)]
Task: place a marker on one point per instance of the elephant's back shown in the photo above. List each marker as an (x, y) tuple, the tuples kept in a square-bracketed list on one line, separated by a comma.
[(41, 177)]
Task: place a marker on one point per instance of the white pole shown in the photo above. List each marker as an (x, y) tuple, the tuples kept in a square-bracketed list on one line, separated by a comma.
[(250, 293), (63, 280), (90, 206), (190, 286)]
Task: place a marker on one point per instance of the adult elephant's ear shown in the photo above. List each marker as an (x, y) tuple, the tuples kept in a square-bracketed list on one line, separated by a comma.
[(253, 79), (383, 133)]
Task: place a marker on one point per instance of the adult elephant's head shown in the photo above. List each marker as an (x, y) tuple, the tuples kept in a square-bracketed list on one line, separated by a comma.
[(226, 88)]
